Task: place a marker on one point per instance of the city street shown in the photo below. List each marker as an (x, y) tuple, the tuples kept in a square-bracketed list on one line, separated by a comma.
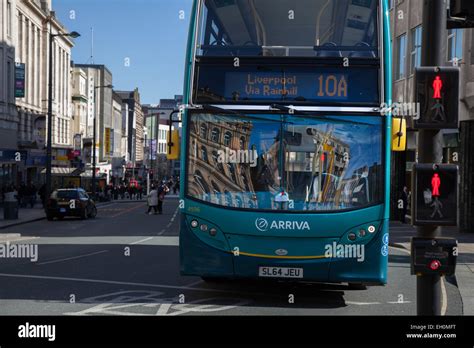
[(127, 263)]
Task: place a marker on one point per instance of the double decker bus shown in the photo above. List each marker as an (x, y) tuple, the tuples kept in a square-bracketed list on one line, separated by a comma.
[(285, 154)]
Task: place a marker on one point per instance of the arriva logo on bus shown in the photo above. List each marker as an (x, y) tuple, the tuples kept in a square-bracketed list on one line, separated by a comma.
[(263, 225)]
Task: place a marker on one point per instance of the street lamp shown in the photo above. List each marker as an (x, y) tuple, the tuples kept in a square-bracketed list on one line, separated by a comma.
[(73, 35), (145, 133), (94, 160)]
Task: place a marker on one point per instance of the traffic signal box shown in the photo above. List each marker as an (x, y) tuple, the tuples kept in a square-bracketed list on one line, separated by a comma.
[(437, 92), (173, 146), (435, 195), (433, 256), (461, 8), (399, 134), (461, 14)]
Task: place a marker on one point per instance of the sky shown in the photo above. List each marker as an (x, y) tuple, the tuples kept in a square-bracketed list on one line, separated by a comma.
[(142, 42)]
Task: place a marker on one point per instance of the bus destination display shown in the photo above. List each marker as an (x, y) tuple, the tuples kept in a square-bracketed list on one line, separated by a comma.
[(293, 86), (320, 85)]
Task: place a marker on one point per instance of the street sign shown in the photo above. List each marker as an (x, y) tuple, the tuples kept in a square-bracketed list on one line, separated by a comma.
[(19, 80), (437, 92), (435, 194)]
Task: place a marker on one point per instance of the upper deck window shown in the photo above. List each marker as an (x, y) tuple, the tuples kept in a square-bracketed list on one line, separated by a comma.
[(289, 28)]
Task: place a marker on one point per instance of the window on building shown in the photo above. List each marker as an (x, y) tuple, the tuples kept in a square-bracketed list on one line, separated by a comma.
[(215, 135), (391, 4), (204, 153), (203, 132), (227, 138), (215, 158), (415, 59), (401, 57), (242, 143), (9, 18), (455, 37)]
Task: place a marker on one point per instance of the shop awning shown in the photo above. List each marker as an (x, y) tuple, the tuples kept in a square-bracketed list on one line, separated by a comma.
[(59, 171)]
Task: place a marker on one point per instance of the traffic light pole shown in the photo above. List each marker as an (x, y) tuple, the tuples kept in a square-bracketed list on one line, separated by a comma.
[(428, 289)]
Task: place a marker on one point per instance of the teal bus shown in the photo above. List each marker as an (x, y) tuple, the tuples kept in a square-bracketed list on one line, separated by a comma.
[(285, 152)]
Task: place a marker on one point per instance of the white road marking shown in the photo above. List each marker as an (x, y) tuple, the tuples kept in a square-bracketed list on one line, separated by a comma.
[(128, 302), (174, 215), (21, 239), (162, 231), (444, 302), (361, 303), (399, 302), (195, 283), (170, 223), (109, 240), (141, 241), (72, 258), (164, 309)]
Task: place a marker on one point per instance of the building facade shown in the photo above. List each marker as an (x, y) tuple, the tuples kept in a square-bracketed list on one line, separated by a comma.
[(24, 53), (8, 112), (158, 125), (80, 103), (134, 127), (406, 30), (99, 110)]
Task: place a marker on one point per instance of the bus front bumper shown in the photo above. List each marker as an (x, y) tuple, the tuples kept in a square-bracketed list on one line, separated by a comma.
[(235, 256)]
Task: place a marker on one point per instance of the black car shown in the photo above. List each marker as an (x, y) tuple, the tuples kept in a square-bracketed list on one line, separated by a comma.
[(70, 202)]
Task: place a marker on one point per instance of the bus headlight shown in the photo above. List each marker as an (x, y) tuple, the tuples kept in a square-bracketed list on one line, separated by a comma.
[(204, 227), (362, 232), (213, 232), (371, 229), (352, 237), (194, 223)]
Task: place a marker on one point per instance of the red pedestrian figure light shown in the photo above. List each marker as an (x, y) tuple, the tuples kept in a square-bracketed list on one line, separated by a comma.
[(437, 86), (435, 184)]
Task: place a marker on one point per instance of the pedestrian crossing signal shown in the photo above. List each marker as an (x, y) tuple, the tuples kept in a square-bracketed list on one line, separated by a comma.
[(437, 92), (435, 195)]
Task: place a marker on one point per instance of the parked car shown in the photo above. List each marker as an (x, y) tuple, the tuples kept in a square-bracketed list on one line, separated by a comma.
[(70, 202)]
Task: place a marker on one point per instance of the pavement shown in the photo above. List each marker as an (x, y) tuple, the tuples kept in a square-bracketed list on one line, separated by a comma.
[(25, 215), (400, 236), (125, 262)]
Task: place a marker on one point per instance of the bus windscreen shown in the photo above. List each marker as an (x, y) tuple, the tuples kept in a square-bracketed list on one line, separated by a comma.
[(317, 164)]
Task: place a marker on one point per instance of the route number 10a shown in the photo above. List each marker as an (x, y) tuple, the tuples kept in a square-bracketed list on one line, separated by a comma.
[(331, 86)]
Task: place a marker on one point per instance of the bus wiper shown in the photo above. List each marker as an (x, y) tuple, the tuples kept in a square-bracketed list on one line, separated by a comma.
[(298, 113), (217, 109)]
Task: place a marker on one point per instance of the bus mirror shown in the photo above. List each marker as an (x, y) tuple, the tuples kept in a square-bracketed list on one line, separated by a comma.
[(399, 134), (173, 146)]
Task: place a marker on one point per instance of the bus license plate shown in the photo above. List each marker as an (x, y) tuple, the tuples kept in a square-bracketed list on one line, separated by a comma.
[(280, 272)]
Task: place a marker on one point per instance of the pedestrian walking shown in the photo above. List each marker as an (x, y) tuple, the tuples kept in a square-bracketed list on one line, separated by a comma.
[(152, 200), (162, 191)]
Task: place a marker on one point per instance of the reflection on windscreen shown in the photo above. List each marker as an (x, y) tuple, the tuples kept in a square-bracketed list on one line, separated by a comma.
[(298, 163), (325, 28)]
